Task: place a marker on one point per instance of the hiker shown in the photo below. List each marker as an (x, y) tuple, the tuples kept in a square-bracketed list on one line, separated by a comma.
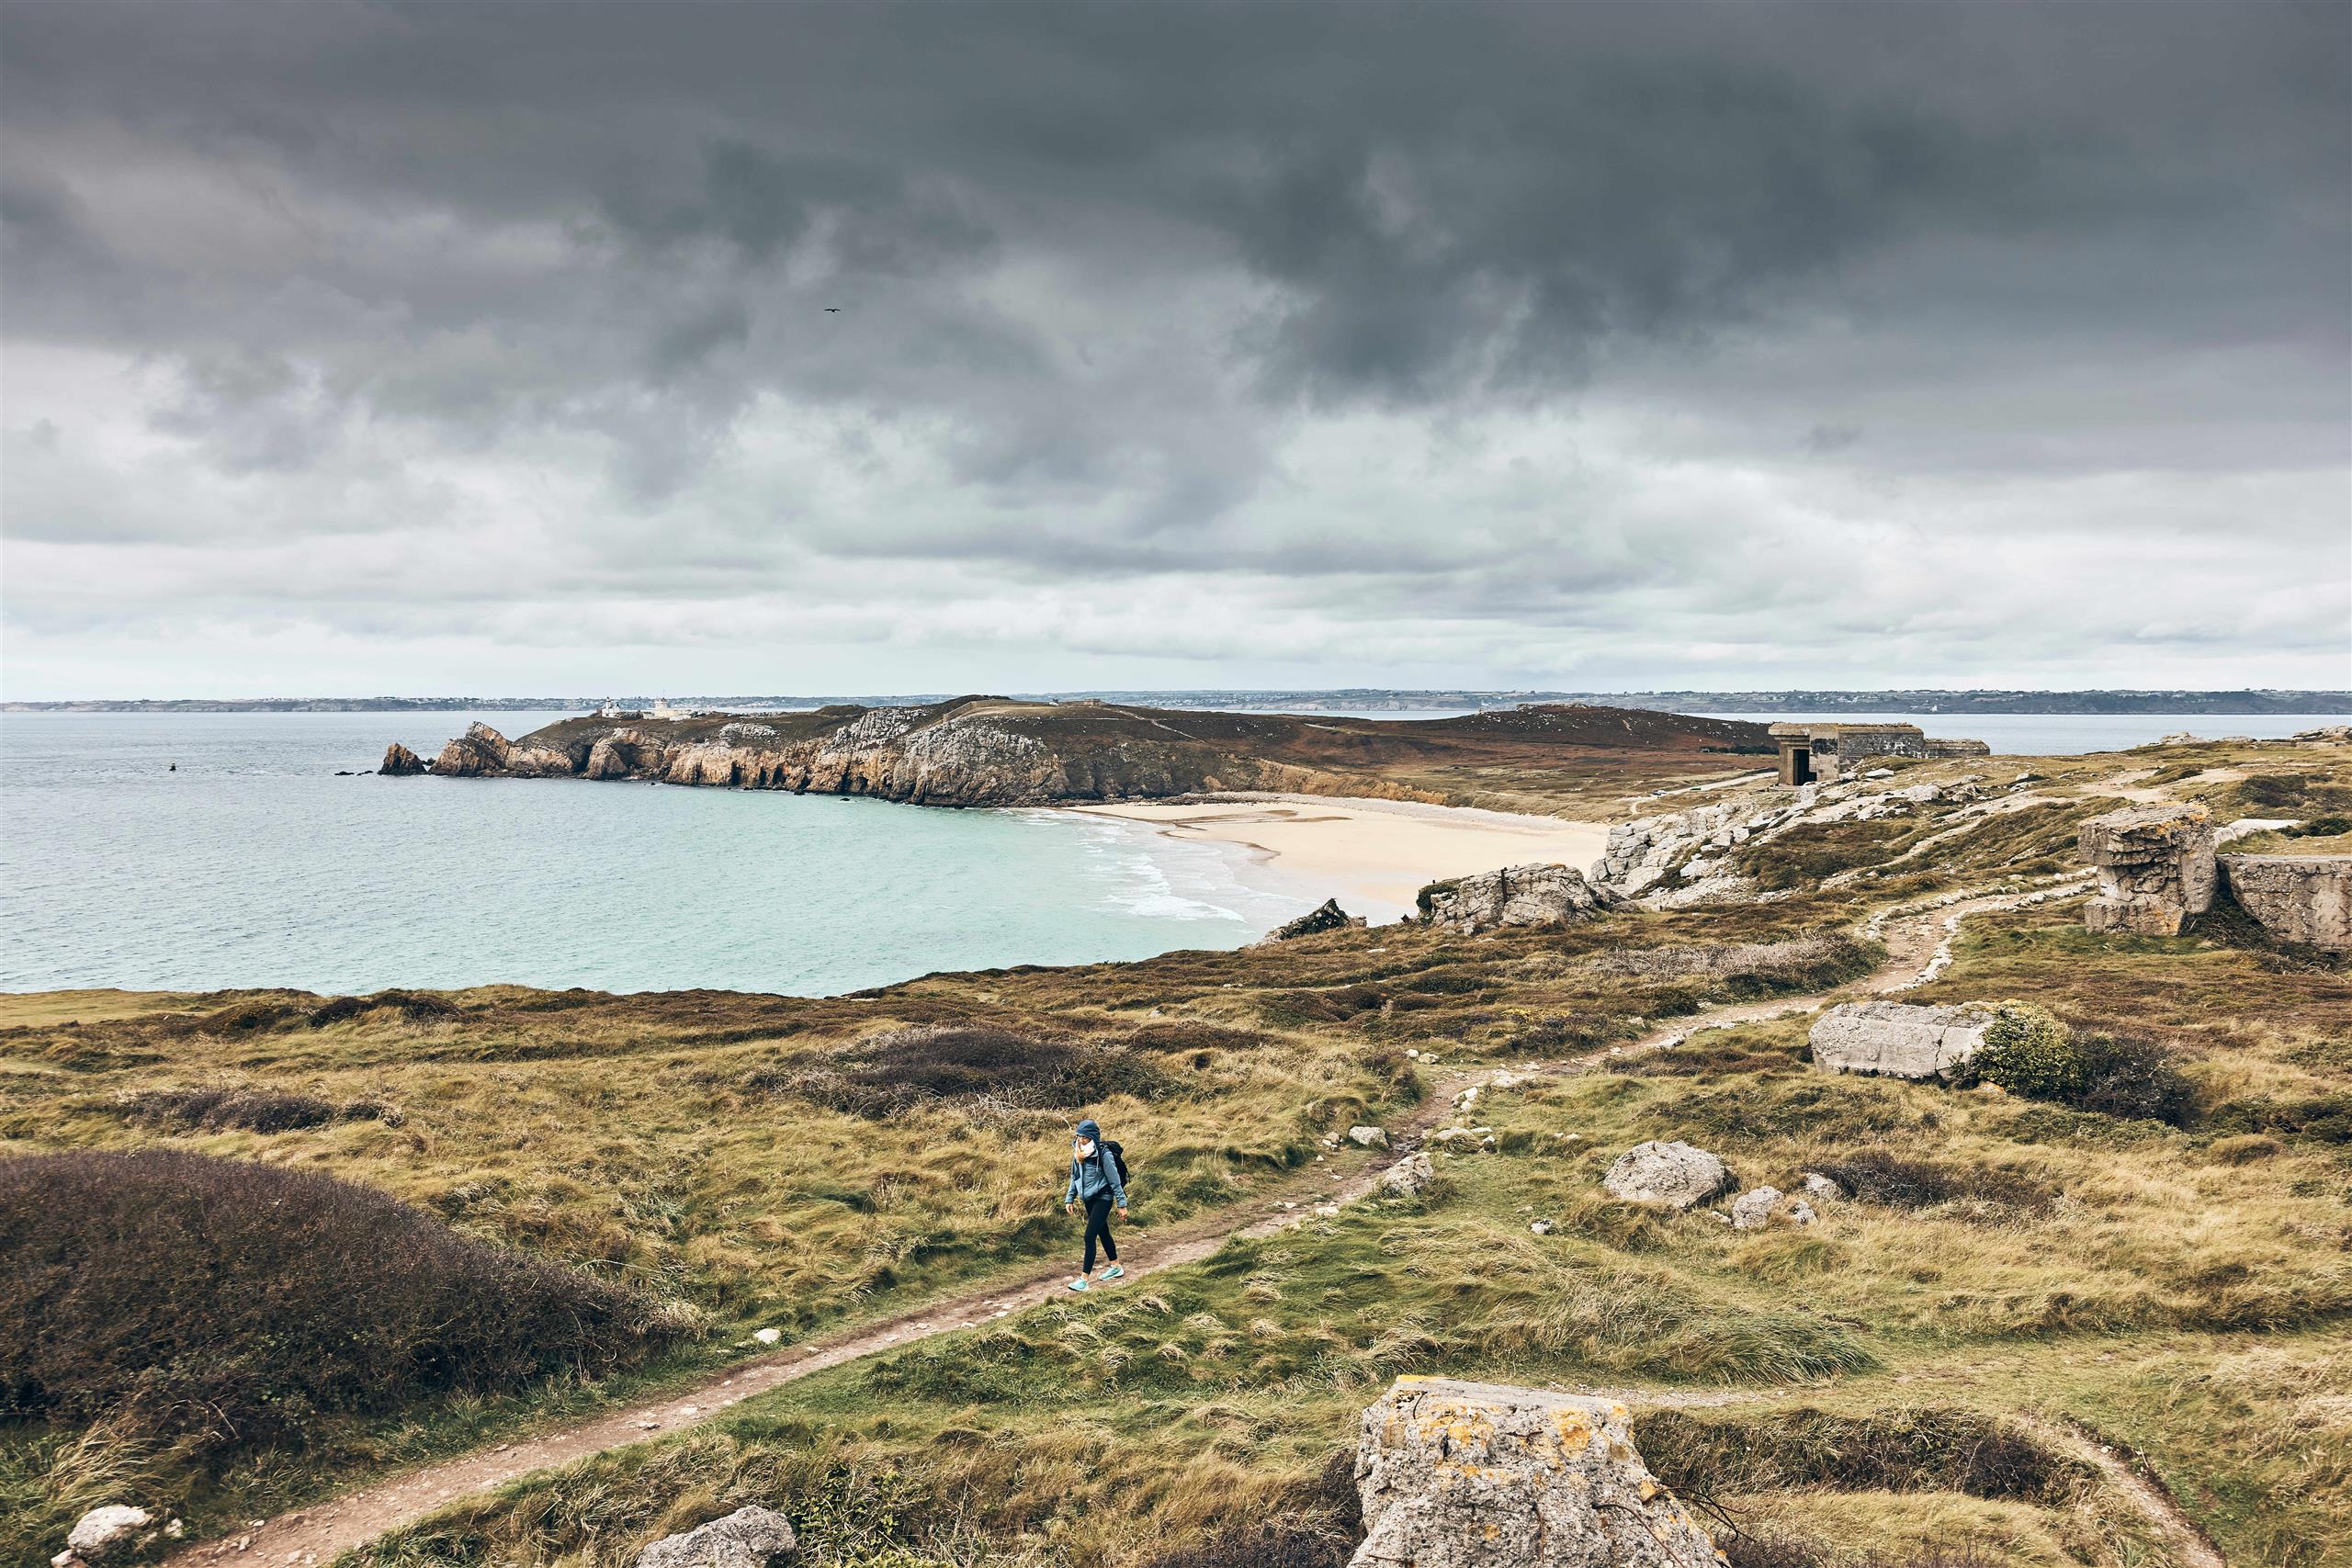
[(1097, 1179)]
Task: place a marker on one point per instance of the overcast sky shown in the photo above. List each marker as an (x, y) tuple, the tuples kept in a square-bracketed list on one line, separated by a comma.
[(432, 348)]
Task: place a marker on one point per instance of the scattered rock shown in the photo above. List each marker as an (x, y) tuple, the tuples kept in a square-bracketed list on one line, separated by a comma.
[(1674, 1174), (110, 1531), (1483, 1475), (1541, 1227), (400, 763), (1408, 1177), (1897, 1040), (1515, 895), (1819, 1186), (1370, 1137), (1800, 1213), (748, 1538), (1327, 916), (2155, 867), (768, 1336), (1753, 1209)]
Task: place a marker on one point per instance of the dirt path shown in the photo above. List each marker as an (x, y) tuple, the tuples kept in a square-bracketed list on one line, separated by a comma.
[(1918, 944), (2134, 1482)]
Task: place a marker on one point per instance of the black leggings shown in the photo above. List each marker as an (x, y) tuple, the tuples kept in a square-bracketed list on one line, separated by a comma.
[(1098, 1224)]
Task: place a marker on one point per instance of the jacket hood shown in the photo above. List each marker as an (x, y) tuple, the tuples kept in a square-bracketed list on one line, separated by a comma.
[(1088, 1129)]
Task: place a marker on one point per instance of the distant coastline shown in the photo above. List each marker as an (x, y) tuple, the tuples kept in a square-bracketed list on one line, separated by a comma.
[(1958, 705)]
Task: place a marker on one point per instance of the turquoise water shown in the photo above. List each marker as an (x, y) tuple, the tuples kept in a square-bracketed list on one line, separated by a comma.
[(253, 864)]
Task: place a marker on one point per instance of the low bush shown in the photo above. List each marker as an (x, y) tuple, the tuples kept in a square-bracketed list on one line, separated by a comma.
[(1571, 1034), (1925, 1449), (1180, 1035), (1811, 854), (219, 1109), (2027, 1052), (2030, 1053), (2318, 1119), (417, 1007), (1750, 968), (2134, 1080), (884, 1077), (266, 1297), (1879, 1175)]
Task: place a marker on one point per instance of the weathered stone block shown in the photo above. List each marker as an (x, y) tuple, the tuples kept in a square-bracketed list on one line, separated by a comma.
[(1896, 1039), (2155, 867), (1484, 1475), (2300, 899), (1532, 895), (1676, 1174), (748, 1538)]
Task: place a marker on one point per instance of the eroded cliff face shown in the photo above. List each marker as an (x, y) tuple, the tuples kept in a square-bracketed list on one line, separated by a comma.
[(966, 754)]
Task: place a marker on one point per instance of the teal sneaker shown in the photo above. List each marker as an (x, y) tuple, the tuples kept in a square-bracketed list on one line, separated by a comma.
[(1079, 1285), (1112, 1272)]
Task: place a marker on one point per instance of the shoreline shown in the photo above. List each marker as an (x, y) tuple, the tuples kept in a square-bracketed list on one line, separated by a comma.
[(1372, 855)]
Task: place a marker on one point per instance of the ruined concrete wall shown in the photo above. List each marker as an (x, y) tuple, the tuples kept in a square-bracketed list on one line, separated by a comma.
[(2155, 868), (2298, 899)]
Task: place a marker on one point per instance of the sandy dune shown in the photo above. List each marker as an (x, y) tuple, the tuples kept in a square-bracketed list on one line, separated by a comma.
[(1373, 855)]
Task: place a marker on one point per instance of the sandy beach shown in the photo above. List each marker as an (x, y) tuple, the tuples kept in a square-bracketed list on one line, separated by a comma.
[(1373, 855)]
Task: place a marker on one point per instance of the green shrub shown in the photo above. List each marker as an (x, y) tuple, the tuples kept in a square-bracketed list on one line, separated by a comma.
[(2027, 1052)]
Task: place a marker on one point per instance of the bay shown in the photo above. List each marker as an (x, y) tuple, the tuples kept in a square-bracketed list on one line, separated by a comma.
[(213, 851)]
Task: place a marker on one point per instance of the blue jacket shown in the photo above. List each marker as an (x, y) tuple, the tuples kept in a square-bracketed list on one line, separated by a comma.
[(1095, 1175)]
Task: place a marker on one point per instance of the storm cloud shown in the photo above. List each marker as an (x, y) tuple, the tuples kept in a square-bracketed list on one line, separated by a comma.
[(535, 347)]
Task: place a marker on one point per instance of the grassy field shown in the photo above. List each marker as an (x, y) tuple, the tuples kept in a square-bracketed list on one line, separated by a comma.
[(1862, 1391)]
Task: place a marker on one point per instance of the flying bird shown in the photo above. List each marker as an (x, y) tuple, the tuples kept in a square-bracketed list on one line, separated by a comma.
[(832, 309)]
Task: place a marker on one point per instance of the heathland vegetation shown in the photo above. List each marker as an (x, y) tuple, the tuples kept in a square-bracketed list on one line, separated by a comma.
[(2136, 1220)]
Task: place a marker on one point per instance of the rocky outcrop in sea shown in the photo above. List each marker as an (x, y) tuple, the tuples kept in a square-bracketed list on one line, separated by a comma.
[(973, 752)]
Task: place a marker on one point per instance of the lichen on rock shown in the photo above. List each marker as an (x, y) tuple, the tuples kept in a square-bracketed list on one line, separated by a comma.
[(1485, 1475)]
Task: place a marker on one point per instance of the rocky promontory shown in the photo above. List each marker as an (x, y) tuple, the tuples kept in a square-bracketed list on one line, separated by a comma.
[(998, 751)]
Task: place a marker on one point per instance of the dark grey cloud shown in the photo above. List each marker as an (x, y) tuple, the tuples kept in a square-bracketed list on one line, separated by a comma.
[(1467, 341)]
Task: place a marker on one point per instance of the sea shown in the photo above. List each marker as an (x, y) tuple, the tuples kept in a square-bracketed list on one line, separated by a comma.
[(202, 851)]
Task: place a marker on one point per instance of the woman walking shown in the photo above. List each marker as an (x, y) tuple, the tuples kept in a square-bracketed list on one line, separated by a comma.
[(1095, 1180)]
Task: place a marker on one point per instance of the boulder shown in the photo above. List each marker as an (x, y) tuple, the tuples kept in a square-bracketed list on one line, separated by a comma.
[(1753, 1209), (1326, 917), (1409, 1176), (2298, 898), (2155, 867), (1370, 1137), (1818, 1186), (400, 763), (1675, 1174), (748, 1538), (1484, 1475), (110, 1531), (1515, 895), (1897, 1040)]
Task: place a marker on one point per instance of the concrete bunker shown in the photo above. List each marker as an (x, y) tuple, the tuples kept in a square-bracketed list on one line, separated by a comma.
[(1821, 753)]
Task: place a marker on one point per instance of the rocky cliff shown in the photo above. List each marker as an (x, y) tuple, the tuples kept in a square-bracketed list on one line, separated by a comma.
[(995, 752)]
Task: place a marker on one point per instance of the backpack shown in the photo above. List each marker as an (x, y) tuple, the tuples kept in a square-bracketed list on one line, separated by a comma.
[(1118, 1156)]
